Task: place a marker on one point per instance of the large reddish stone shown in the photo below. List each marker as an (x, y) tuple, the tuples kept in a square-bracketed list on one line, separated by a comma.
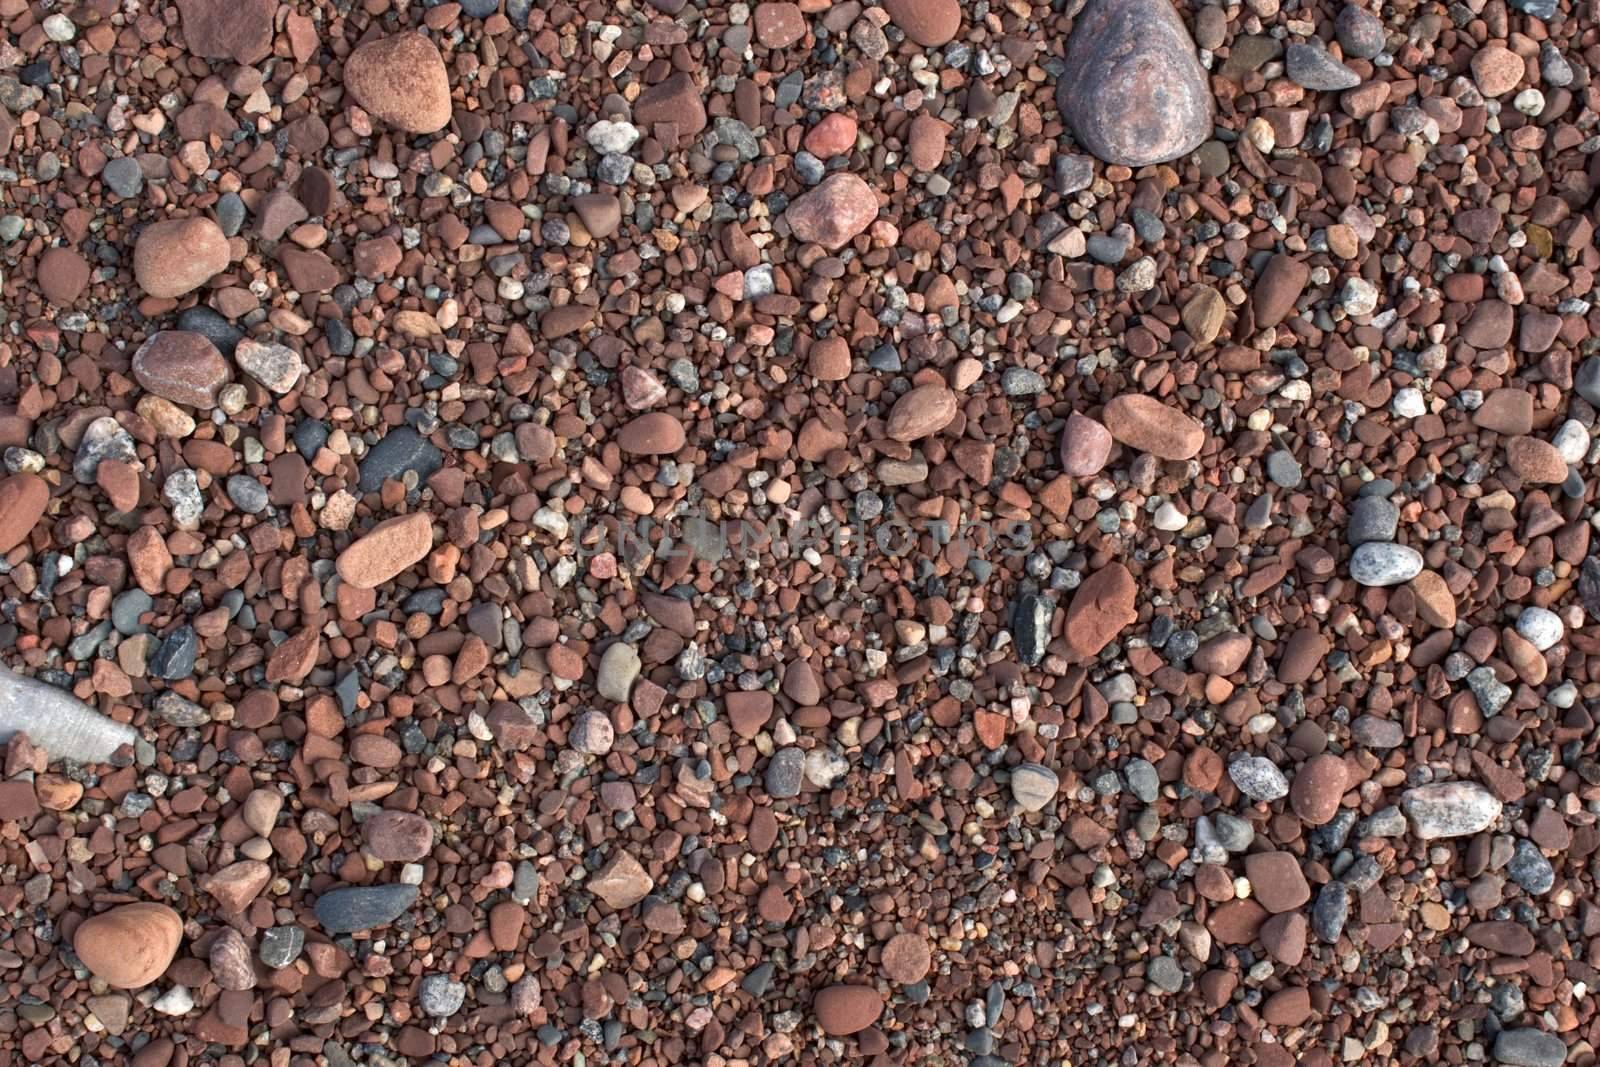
[(838, 209), (181, 366), (178, 256), (1133, 90), (676, 100), (401, 80), (240, 30), (129, 946), (1145, 423), (23, 498), (1102, 608)]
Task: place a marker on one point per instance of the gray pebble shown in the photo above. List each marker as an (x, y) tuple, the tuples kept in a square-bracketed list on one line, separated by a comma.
[(123, 176), (282, 945), (1330, 911), (1165, 974), (362, 907), (1143, 781), (440, 995), (1372, 518), (1258, 778), (1530, 869), (1379, 564), (1527, 1047), (1312, 67), (247, 494), (1283, 469), (785, 773)]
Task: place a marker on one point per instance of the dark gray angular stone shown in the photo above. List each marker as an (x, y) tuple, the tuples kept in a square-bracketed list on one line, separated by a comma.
[(402, 449), (362, 907)]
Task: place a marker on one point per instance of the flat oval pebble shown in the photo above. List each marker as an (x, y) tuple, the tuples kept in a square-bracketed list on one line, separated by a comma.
[(63, 274), (847, 1009), (386, 550), (1449, 809), (1134, 92), (1317, 789), (654, 433), (921, 412), (1145, 423), (401, 80), (178, 256), (131, 945), (350, 909), (1378, 563), (398, 836), (906, 958), (1085, 446)]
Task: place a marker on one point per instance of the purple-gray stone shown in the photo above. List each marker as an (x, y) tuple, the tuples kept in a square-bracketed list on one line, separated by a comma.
[(1134, 92)]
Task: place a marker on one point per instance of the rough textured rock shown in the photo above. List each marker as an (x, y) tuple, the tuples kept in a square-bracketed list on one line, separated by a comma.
[(835, 211), (178, 256), (401, 80)]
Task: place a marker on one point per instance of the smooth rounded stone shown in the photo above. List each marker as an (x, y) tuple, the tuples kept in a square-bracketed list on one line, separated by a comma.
[(1311, 67), (1073, 173), (123, 176), (1436, 604), (401, 450), (386, 550), (397, 836), (785, 773), (926, 142), (401, 80), (1378, 563), (1318, 787), (1258, 778), (247, 494), (177, 256), (23, 499), (1449, 809), (779, 24), (1169, 518), (354, 908), (1085, 446), (1165, 974), (1143, 781), (62, 275), (655, 433), (921, 412), (610, 137), (592, 734), (619, 666), (1133, 91), (131, 945), (1360, 32), (223, 335), (601, 213), (1033, 786), (833, 212), (1372, 518), (440, 996), (1277, 289), (1282, 468), (1542, 627), (182, 367), (1146, 424), (1527, 1047), (1530, 869), (842, 1010), (930, 23), (278, 367)]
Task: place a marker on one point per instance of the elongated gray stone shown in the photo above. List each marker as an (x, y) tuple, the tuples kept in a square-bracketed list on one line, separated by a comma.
[(362, 907), (1378, 563), (1133, 90), (57, 721), (1449, 809), (1527, 1047)]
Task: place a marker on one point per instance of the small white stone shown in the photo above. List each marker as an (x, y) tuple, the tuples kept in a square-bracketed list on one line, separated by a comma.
[(1408, 404), (1170, 519), (1529, 102), (823, 767), (1572, 441), (1543, 628), (612, 137), (59, 29), (1360, 297), (175, 1001), (411, 874)]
